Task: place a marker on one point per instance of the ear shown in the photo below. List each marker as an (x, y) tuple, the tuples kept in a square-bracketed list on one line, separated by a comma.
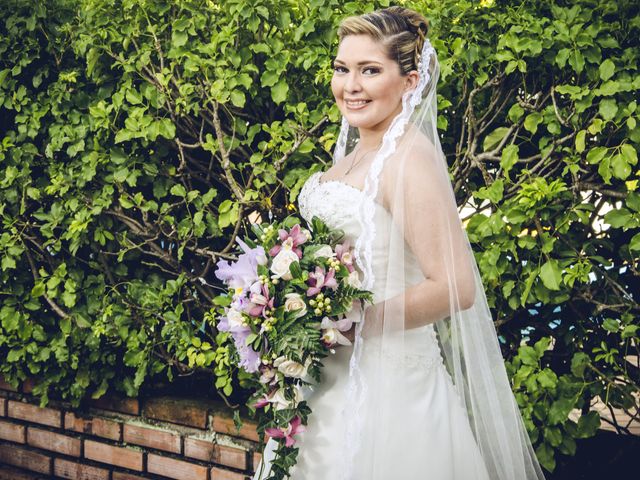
[(411, 80)]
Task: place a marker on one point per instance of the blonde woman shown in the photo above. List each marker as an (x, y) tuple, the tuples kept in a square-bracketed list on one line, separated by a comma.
[(422, 392)]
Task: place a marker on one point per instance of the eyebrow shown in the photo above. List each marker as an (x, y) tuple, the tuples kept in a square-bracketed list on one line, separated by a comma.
[(359, 63)]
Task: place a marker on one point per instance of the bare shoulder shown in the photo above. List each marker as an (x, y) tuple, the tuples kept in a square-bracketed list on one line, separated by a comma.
[(413, 164)]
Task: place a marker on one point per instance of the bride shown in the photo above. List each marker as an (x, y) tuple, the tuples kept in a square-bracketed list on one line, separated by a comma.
[(422, 392)]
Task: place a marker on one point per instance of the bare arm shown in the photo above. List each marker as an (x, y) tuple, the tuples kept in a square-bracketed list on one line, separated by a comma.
[(418, 196)]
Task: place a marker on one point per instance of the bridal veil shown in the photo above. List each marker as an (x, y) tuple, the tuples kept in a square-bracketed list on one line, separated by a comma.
[(415, 256)]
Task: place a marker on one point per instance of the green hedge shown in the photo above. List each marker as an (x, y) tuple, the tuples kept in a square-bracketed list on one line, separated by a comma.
[(137, 138)]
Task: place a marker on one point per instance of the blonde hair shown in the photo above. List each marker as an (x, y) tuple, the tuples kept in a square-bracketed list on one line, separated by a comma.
[(401, 31)]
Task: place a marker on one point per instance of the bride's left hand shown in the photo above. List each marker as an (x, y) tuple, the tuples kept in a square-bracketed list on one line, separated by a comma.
[(372, 322)]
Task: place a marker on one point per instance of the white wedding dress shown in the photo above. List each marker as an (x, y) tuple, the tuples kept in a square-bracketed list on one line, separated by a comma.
[(430, 440)]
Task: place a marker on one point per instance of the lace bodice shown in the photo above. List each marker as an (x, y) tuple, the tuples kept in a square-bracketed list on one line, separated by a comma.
[(335, 202)]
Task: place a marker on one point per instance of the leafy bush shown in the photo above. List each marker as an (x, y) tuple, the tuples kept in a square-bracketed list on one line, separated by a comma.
[(136, 139)]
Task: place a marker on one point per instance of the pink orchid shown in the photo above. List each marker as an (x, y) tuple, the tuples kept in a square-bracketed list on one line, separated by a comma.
[(260, 302), (293, 428), (319, 279), (332, 331), (296, 236), (264, 400), (342, 250)]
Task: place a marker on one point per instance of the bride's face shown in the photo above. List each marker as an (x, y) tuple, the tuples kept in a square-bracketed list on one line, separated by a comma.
[(362, 71)]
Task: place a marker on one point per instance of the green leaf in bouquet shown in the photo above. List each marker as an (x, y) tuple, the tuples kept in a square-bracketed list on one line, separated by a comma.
[(291, 221), (222, 300), (309, 250), (251, 338), (251, 243), (319, 227), (286, 320), (342, 271), (257, 229), (295, 269)]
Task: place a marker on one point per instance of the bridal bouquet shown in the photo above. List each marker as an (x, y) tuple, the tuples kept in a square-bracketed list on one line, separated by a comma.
[(289, 293)]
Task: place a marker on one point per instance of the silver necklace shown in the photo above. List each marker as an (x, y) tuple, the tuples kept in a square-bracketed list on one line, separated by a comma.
[(354, 163)]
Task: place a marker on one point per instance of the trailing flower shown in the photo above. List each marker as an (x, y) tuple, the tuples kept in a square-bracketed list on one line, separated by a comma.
[(286, 306)]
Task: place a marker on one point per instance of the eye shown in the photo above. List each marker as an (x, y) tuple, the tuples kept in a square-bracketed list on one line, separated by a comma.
[(373, 70)]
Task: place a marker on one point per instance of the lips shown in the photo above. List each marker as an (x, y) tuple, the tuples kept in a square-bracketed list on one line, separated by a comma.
[(357, 104)]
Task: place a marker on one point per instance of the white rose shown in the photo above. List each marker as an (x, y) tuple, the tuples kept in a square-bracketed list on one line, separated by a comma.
[(290, 368), (285, 257), (235, 318), (267, 375), (324, 251), (280, 402), (354, 279), (293, 302)]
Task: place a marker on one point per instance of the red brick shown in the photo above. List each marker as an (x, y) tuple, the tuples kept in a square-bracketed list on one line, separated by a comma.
[(33, 413), (221, 474), (223, 424), (118, 404), (10, 473), (207, 451), (177, 469), (77, 471), (118, 456), (29, 460), (200, 449), (3, 404), (182, 411), (55, 442), (12, 432), (152, 437), (127, 476), (230, 457), (97, 426), (4, 385)]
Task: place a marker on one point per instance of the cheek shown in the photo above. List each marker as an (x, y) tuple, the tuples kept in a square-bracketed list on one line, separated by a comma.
[(336, 88), (385, 90)]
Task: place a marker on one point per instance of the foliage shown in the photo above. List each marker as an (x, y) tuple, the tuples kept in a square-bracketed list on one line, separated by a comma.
[(137, 138)]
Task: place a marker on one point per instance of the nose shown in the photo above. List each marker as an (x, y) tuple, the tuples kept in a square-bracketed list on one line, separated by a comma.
[(352, 82)]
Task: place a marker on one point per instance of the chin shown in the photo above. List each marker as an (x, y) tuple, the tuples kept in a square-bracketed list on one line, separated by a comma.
[(364, 121), (369, 121)]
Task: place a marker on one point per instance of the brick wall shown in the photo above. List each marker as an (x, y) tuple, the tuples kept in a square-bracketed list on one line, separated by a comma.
[(124, 439)]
